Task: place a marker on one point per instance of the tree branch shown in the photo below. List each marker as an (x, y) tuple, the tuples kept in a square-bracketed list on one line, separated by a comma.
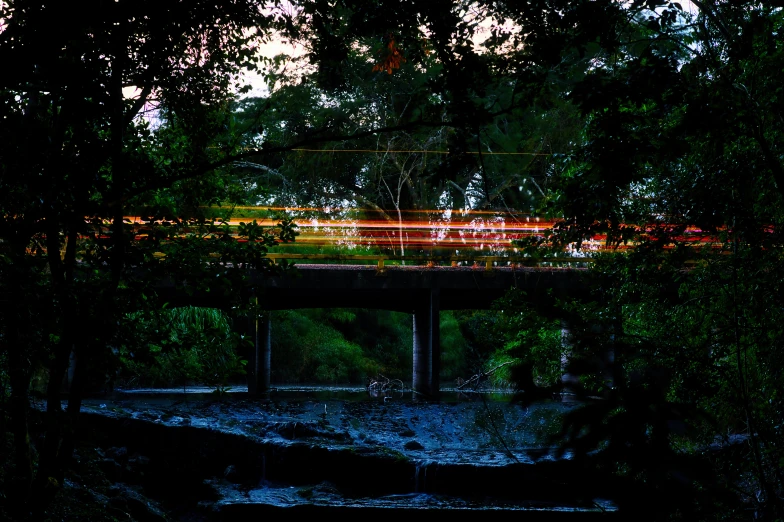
[(138, 104), (713, 17), (358, 197), (164, 182)]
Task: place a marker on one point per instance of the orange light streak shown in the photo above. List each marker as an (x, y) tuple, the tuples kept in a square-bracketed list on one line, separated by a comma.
[(421, 230)]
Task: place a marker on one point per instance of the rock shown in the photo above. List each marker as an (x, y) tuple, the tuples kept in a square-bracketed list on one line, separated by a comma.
[(309, 429), (413, 445), (136, 468), (138, 506), (144, 511), (211, 491), (407, 433), (118, 502), (118, 454), (139, 461), (231, 474), (111, 468)]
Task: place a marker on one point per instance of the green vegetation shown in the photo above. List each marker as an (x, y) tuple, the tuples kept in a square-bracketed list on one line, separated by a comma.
[(198, 346), (179, 346), (352, 345), (309, 350), (651, 126)]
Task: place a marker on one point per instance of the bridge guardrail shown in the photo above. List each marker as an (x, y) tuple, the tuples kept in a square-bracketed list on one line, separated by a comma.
[(433, 261)]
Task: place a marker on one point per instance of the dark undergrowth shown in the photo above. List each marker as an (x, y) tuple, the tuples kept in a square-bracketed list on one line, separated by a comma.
[(87, 491)]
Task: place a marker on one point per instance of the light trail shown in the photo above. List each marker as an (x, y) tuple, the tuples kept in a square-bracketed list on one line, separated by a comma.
[(433, 231)]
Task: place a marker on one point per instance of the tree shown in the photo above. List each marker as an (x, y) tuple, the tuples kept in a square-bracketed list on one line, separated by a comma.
[(677, 150), (452, 120), (76, 149), (679, 163)]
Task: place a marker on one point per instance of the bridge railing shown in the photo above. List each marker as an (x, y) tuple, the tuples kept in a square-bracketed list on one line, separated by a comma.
[(428, 261)]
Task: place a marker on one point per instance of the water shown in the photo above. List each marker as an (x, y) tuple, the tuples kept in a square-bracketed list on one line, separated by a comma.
[(316, 392), (337, 447), (326, 498), (488, 430)]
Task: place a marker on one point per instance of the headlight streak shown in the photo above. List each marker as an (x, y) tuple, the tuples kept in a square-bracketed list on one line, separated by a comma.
[(423, 232)]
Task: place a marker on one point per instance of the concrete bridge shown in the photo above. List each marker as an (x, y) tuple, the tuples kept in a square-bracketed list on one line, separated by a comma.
[(422, 291)]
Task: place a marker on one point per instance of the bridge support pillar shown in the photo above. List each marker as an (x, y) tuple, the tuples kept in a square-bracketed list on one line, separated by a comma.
[(569, 380), (427, 346), (259, 360)]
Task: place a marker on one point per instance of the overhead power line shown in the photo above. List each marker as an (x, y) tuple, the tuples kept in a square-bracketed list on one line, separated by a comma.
[(427, 152)]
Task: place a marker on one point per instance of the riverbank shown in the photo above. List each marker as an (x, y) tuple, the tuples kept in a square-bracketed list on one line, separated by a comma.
[(193, 457)]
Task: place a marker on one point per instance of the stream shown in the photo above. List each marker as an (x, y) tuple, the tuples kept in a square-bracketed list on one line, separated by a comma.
[(320, 450)]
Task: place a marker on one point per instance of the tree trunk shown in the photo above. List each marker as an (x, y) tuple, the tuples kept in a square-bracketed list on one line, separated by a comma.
[(48, 466), (62, 279), (74, 407), (20, 372)]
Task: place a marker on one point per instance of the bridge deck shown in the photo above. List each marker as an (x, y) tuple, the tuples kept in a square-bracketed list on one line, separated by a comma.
[(400, 288)]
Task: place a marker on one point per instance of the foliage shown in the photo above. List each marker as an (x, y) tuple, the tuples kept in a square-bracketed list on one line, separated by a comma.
[(510, 341), (308, 350), (696, 367), (484, 336), (101, 105), (678, 165), (453, 348), (534, 342), (353, 345), (453, 126), (305, 344), (384, 336), (179, 346)]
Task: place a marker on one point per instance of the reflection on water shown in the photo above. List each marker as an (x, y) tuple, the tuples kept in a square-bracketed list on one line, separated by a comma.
[(320, 392), (326, 495)]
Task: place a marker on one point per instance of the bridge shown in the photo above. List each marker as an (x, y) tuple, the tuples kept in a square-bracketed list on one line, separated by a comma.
[(439, 277), (422, 290)]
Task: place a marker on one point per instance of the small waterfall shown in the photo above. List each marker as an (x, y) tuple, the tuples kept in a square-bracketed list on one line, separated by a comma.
[(420, 475)]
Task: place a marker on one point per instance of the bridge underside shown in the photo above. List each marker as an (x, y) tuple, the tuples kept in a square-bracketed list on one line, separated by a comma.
[(396, 300)]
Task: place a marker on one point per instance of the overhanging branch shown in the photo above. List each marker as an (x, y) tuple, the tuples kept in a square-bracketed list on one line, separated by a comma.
[(160, 183)]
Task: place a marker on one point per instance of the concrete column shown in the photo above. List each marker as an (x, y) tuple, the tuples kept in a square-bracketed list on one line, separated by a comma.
[(249, 331), (260, 330), (427, 347), (263, 352), (569, 380)]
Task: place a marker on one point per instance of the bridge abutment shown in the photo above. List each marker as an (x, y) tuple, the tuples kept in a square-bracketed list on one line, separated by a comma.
[(427, 346)]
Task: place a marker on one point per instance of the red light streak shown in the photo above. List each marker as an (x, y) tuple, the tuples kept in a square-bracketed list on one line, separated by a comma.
[(424, 230)]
